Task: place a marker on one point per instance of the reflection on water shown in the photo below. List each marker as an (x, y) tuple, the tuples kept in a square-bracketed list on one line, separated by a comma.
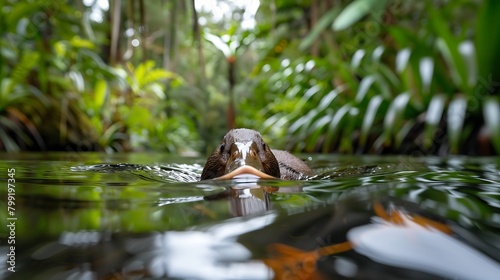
[(93, 216)]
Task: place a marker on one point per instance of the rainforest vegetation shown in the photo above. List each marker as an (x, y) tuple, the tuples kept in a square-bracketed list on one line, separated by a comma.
[(332, 76)]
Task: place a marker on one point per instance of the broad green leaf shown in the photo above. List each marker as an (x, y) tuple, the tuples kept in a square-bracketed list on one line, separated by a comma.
[(327, 100), (384, 77), (218, 43), (364, 87), (448, 45), (468, 53), (316, 130), (357, 57), (271, 121), (310, 120), (491, 114), (111, 134), (402, 59), (155, 76), (100, 94), (357, 10), (448, 57), (77, 79), (142, 70), (402, 133), (456, 118), (377, 54), (426, 68), (87, 25), (335, 126), (5, 89), (21, 10), (158, 90), (369, 118), (322, 24), (433, 117), (78, 42), (394, 115), (304, 120), (487, 39), (29, 60), (60, 48), (294, 91), (308, 94)]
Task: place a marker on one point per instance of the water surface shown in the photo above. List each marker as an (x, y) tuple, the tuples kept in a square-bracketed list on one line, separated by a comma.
[(143, 216)]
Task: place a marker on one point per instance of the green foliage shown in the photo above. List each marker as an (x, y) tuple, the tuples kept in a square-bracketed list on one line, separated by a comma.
[(58, 92), (313, 76), (415, 87)]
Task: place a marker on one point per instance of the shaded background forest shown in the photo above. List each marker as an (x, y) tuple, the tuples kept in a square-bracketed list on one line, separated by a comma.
[(362, 76)]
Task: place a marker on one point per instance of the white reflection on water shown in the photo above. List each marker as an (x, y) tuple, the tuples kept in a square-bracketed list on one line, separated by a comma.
[(416, 247), (209, 254)]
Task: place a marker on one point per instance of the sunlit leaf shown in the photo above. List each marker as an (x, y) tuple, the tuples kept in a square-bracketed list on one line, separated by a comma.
[(487, 39), (448, 45), (293, 91), (327, 100), (77, 79), (433, 117), (402, 133), (357, 10), (60, 48), (28, 61), (364, 87), (369, 118), (402, 59), (219, 43), (142, 70), (332, 134), (155, 76), (426, 67), (356, 58), (394, 114), (377, 54), (78, 42), (317, 128), (6, 86), (302, 121), (385, 75), (87, 25), (491, 114), (19, 11), (100, 93), (456, 118), (468, 53), (308, 94), (112, 134)]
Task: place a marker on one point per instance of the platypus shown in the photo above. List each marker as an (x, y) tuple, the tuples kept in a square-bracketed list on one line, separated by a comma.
[(243, 151)]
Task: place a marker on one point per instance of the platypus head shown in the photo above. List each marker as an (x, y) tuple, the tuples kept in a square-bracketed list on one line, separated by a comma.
[(242, 151)]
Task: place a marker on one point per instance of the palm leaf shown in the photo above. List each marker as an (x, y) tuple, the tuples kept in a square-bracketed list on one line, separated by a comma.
[(433, 117), (357, 10), (491, 113), (369, 118), (456, 118), (332, 134), (394, 115)]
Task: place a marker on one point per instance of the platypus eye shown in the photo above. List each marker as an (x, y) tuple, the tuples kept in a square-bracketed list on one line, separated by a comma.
[(264, 146), (221, 149)]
